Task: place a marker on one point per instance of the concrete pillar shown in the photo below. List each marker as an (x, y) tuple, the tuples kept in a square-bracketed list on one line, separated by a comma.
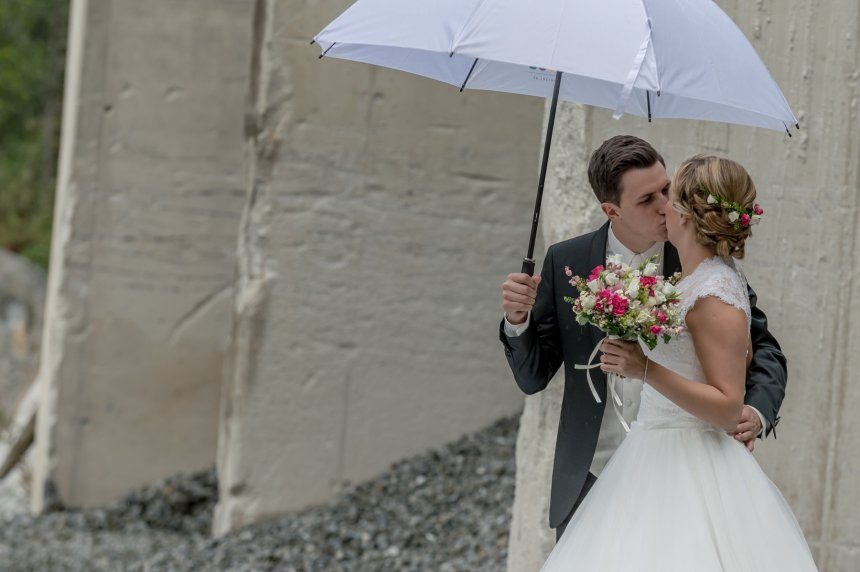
[(22, 302), (802, 261), (384, 212), (150, 192)]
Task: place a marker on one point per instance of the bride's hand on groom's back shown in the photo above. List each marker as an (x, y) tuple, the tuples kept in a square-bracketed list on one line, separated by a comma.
[(518, 296), (748, 429)]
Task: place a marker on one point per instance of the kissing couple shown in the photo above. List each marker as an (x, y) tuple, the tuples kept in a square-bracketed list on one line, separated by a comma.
[(683, 491)]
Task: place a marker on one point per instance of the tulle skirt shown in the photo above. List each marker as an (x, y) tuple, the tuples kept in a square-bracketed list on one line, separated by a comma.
[(682, 497)]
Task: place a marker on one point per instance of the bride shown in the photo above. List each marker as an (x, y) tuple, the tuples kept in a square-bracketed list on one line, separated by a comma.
[(672, 495)]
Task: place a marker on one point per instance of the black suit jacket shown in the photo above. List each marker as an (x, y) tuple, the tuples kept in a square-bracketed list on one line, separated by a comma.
[(554, 338)]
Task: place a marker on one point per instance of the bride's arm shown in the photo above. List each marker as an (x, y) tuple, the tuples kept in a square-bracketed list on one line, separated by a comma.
[(720, 339)]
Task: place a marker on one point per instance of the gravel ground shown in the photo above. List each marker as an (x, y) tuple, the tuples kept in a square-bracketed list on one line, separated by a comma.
[(446, 511)]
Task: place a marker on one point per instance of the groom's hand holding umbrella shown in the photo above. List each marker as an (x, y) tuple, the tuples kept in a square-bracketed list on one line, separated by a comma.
[(518, 296)]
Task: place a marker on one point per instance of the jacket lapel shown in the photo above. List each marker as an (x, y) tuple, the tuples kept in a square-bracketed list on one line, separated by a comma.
[(597, 257), (671, 262)]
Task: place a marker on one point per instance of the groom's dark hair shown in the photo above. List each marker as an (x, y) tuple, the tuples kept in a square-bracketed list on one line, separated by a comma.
[(612, 159)]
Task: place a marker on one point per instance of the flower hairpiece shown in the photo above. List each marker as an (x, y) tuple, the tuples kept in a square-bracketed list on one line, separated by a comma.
[(737, 215)]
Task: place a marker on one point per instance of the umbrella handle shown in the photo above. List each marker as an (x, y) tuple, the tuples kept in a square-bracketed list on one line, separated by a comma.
[(528, 266)]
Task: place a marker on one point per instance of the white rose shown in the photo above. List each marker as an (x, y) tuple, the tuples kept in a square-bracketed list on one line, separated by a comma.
[(588, 303), (650, 302), (633, 289), (755, 219), (614, 259), (659, 297), (611, 279), (593, 285), (643, 317), (650, 269), (668, 289), (733, 216), (711, 199)]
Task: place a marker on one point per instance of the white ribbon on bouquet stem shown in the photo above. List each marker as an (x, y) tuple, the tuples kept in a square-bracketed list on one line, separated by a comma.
[(611, 380)]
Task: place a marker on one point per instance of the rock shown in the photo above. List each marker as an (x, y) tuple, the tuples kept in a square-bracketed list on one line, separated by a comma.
[(448, 509)]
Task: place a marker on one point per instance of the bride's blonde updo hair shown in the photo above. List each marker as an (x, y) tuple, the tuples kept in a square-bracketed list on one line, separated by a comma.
[(701, 175)]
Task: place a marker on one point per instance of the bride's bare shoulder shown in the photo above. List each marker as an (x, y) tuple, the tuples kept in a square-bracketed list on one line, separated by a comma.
[(712, 315)]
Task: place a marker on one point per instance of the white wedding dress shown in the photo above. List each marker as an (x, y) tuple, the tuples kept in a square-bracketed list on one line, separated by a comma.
[(679, 494)]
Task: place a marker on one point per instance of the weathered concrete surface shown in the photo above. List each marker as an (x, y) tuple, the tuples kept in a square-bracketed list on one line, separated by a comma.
[(808, 186), (384, 213), (149, 199)]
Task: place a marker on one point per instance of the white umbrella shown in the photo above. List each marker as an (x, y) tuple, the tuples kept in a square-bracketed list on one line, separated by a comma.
[(651, 58)]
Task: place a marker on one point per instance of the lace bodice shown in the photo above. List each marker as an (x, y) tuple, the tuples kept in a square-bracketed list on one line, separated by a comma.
[(718, 277)]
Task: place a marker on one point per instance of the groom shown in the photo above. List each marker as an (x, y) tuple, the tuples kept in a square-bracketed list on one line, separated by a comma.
[(540, 333)]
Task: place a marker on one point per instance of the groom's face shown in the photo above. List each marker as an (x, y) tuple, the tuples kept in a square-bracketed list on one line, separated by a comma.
[(641, 212)]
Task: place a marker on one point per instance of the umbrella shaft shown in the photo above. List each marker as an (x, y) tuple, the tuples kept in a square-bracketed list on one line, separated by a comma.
[(528, 261)]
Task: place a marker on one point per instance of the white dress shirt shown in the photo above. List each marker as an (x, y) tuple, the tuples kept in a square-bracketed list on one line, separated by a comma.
[(631, 401)]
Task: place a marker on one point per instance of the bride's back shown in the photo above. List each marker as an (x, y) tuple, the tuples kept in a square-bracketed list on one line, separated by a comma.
[(717, 277)]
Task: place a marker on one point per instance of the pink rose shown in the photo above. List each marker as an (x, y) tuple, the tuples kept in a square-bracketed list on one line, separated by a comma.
[(596, 273), (656, 330), (619, 305), (745, 219), (758, 210)]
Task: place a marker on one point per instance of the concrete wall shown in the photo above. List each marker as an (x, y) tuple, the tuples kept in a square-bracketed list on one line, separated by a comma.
[(808, 186), (384, 212), (150, 192)]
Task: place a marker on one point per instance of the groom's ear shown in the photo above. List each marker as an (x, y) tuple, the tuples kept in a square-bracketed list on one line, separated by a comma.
[(610, 210)]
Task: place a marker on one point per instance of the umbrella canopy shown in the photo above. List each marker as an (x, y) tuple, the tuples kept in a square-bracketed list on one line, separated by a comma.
[(651, 58)]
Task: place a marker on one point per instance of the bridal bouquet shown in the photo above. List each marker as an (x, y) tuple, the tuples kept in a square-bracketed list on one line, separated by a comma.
[(628, 303)]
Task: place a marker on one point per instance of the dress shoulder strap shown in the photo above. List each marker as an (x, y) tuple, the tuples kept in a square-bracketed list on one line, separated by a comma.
[(720, 278)]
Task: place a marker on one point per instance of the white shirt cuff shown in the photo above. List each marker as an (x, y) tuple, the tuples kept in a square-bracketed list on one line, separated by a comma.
[(513, 331), (763, 422)]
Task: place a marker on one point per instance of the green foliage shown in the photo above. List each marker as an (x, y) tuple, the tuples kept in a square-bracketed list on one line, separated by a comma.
[(32, 46)]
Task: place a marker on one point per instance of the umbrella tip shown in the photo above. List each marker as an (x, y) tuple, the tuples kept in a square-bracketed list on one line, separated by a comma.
[(797, 125), (313, 42), (451, 55), (327, 49)]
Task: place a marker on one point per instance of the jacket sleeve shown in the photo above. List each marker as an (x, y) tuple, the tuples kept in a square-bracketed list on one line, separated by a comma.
[(535, 355), (768, 374)]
